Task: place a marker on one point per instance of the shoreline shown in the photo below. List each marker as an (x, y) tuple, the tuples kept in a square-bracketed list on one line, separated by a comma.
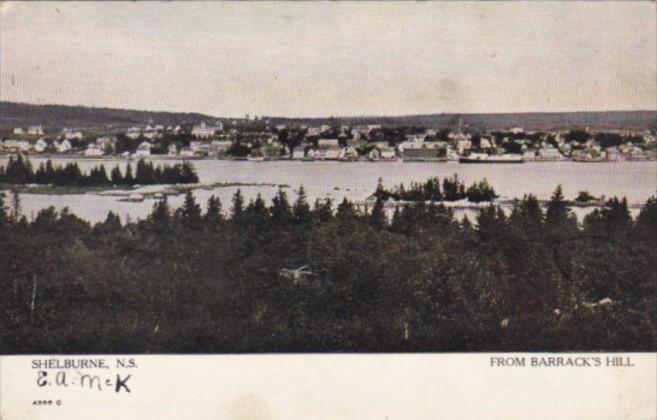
[(78, 157)]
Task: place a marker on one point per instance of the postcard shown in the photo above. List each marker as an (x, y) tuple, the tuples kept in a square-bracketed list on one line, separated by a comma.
[(328, 210)]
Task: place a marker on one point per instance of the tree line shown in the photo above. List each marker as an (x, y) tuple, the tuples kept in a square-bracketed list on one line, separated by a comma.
[(430, 190), (19, 171), (288, 276)]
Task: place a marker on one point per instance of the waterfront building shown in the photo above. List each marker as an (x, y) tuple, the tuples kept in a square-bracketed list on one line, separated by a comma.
[(40, 146), (298, 152), (549, 153), (93, 150), (63, 147), (15, 145), (529, 155)]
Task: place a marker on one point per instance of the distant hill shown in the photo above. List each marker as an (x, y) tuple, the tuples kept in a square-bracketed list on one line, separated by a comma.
[(608, 120), (19, 114)]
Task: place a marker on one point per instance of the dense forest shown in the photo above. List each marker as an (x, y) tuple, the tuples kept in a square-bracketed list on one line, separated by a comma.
[(291, 277), (19, 171)]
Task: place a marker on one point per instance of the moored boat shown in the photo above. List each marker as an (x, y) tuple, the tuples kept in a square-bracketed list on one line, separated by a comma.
[(485, 158)]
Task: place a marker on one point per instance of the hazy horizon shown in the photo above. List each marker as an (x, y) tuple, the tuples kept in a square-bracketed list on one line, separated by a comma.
[(301, 117), (317, 60)]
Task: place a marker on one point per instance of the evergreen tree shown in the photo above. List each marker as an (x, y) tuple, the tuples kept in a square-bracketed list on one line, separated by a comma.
[(237, 208), (214, 216), (323, 210), (15, 204), (378, 216), (256, 213), (191, 213), (281, 213), (380, 190), (112, 222), (301, 208), (160, 217), (396, 224), (128, 179), (346, 210), (558, 212), (646, 222), (4, 217), (116, 176)]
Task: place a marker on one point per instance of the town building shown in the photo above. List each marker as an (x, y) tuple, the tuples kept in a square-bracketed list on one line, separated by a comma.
[(298, 152), (172, 150), (15, 145), (93, 150), (203, 131), (63, 146), (144, 149), (40, 146), (35, 130)]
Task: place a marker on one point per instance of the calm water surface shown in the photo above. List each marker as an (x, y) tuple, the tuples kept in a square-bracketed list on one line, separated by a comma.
[(356, 181)]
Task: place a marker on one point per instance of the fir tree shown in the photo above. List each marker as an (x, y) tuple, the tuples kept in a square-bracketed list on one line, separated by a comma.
[(281, 213), (214, 216), (116, 176), (128, 179), (301, 208), (191, 212), (378, 216), (160, 217), (237, 208)]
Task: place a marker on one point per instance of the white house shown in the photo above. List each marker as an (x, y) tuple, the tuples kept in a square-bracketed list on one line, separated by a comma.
[(463, 145), (415, 138), (485, 143), (348, 153), (613, 154), (222, 146), (387, 153), (199, 146), (106, 143), (549, 153), (150, 134), (144, 149), (69, 134), (40, 146), (18, 130), (17, 145), (35, 130), (63, 147), (529, 155), (186, 152), (329, 154), (93, 150), (328, 143), (313, 131), (133, 133), (203, 131), (172, 150)]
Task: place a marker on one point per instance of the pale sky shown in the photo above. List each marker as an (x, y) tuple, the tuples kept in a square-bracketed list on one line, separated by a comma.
[(331, 59)]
